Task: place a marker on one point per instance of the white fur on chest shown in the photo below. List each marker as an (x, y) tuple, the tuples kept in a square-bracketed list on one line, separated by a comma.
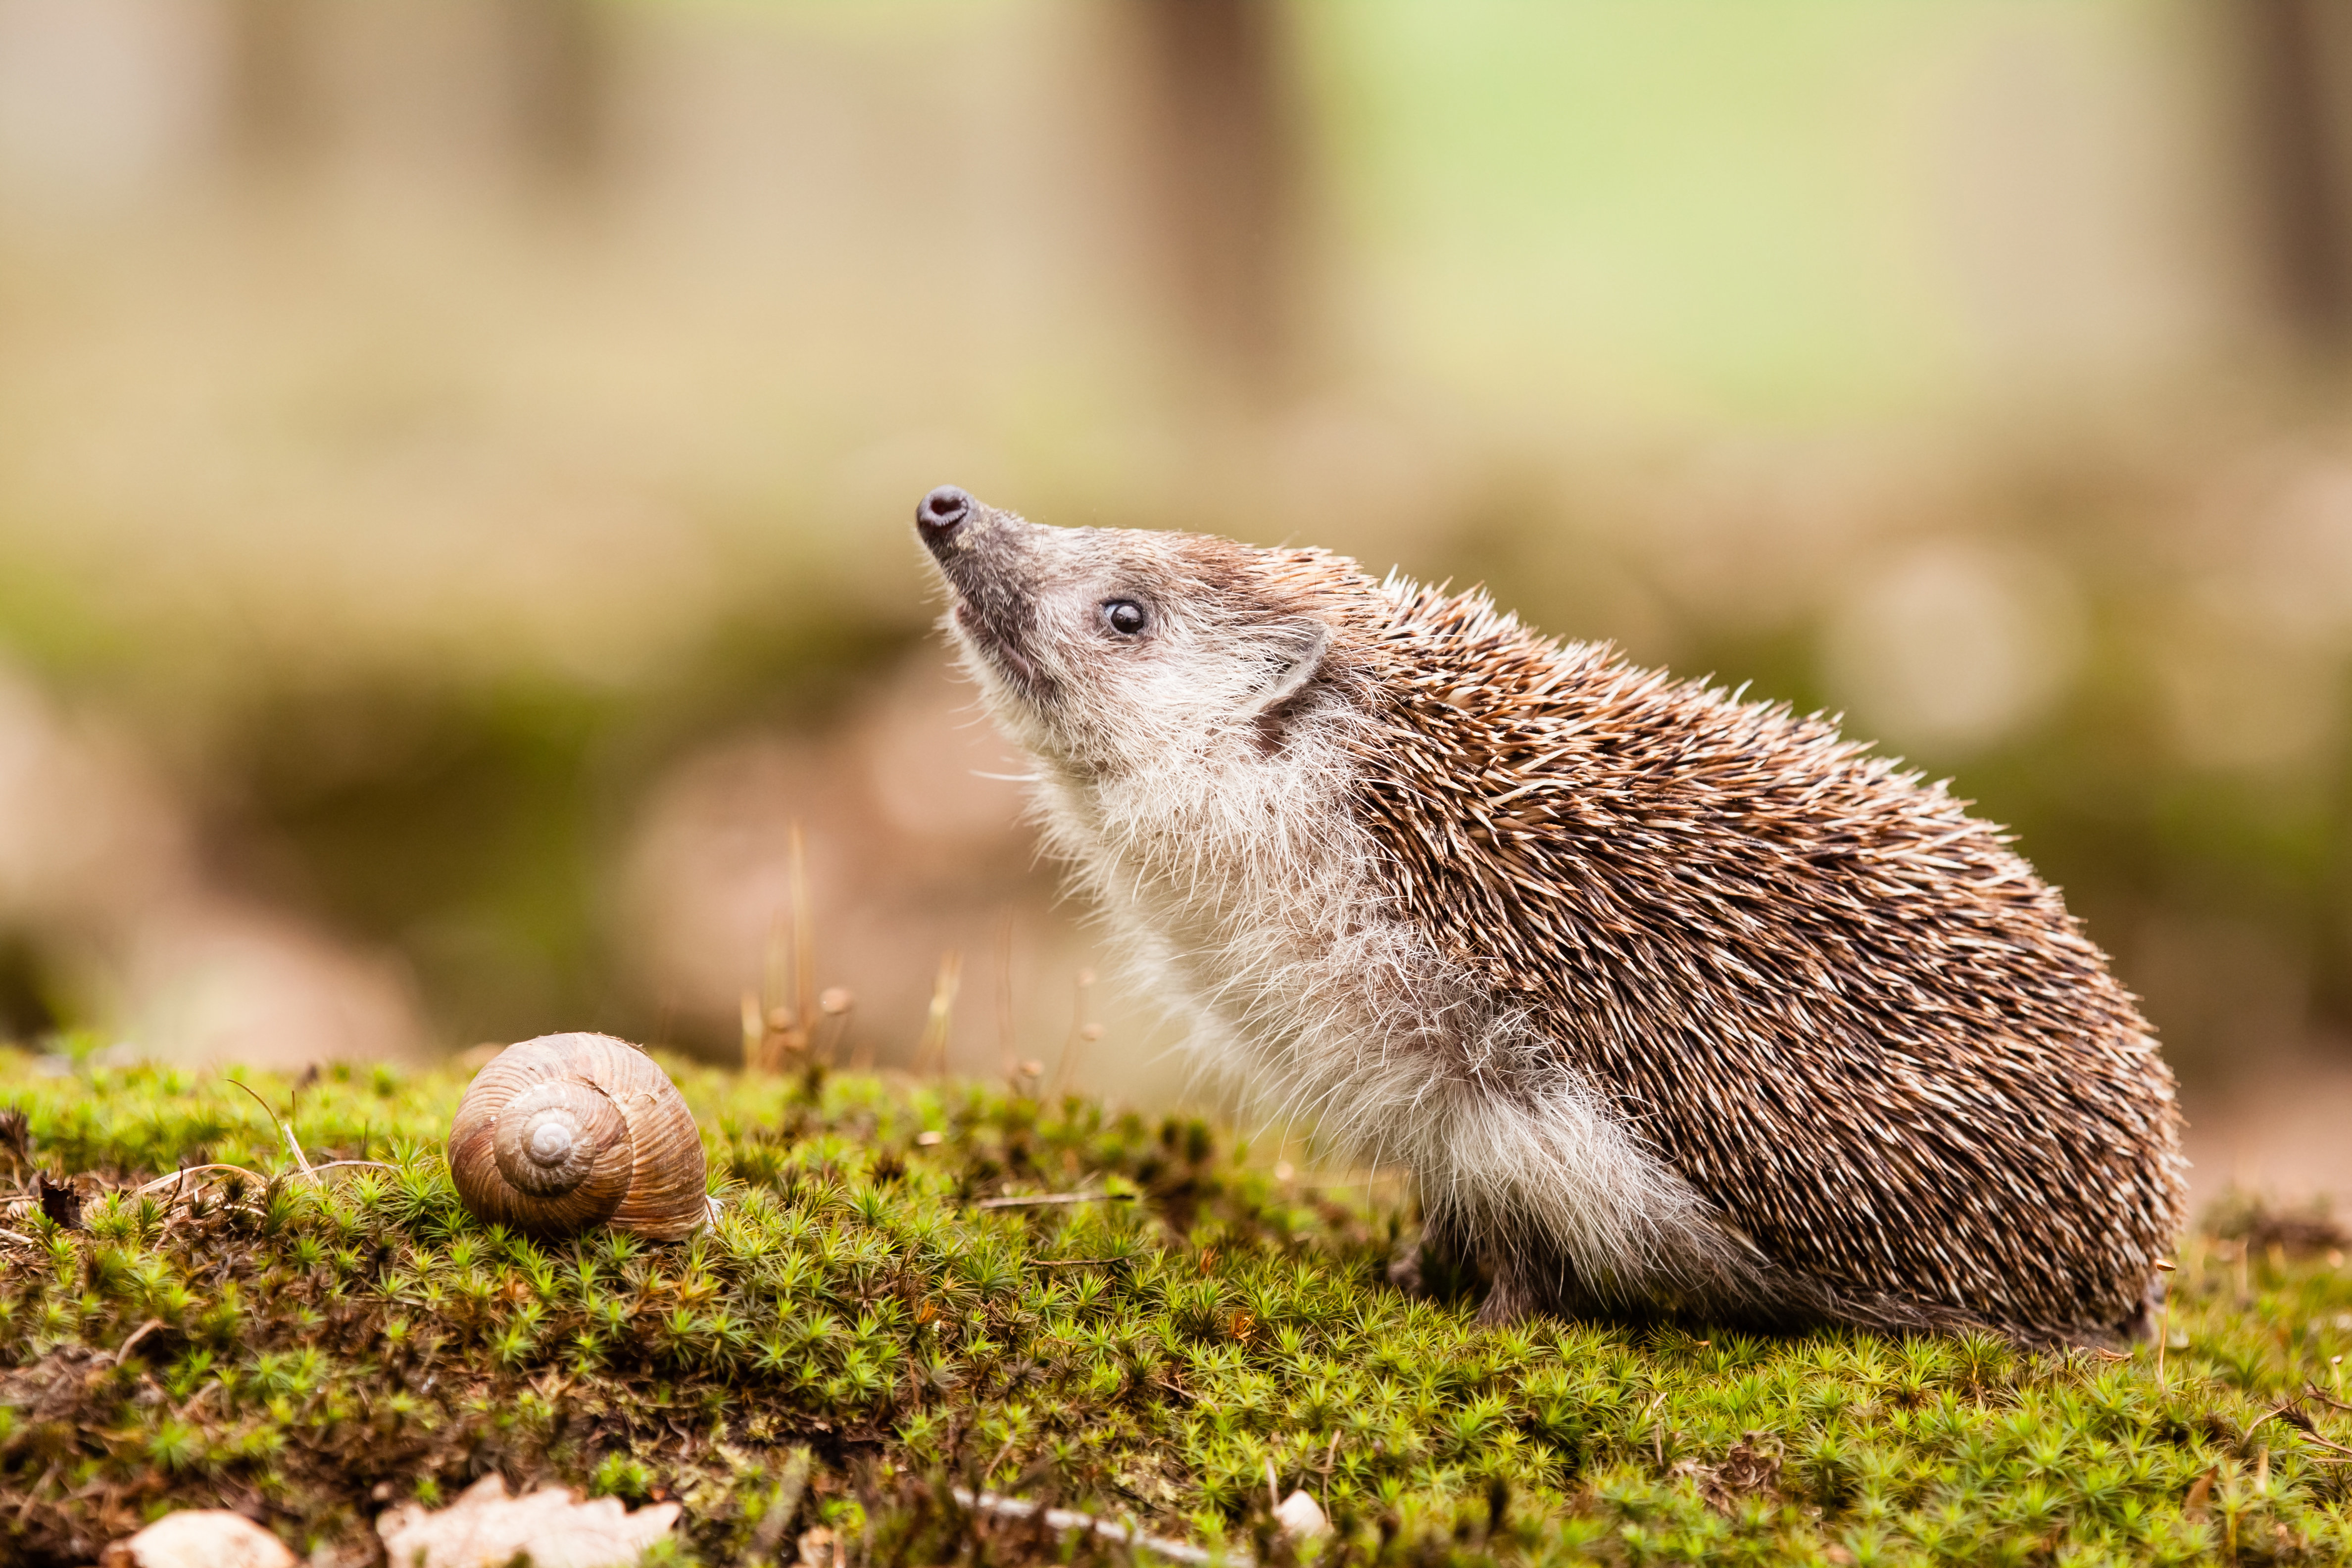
[(1247, 895)]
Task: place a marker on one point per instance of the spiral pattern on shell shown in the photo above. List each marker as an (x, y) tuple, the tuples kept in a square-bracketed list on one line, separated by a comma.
[(567, 1132)]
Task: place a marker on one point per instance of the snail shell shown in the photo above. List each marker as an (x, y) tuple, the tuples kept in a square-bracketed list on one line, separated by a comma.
[(566, 1131)]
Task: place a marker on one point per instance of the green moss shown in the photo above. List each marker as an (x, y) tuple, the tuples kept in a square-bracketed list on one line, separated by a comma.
[(309, 1350)]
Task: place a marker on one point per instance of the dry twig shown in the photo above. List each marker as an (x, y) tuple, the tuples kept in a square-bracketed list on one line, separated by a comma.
[(1069, 1519)]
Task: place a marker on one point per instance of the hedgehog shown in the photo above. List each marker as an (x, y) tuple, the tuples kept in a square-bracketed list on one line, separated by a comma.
[(1679, 1007)]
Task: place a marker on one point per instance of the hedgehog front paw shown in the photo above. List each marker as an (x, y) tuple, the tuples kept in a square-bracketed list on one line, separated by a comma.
[(1508, 1300), (1435, 1267), (1405, 1269)]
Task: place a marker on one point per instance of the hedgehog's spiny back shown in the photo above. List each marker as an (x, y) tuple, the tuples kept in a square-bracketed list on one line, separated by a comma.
[(1849, 1015)]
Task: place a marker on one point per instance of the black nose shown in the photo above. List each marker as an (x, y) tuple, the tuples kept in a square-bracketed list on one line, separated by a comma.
[(942, 512)]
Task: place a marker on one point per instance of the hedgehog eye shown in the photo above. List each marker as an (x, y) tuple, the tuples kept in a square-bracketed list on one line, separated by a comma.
[(1124, 616)]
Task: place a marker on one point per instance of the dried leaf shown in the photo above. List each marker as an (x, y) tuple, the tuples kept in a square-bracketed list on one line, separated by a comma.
[(200, 1538), (60, 1202), (1745, 1472), (485, 1528)]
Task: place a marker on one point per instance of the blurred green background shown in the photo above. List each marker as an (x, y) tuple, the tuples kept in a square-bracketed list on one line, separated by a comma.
[(456, 460)]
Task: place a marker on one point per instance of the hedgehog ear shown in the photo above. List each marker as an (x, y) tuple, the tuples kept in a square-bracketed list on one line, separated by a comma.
[(1302, 645)]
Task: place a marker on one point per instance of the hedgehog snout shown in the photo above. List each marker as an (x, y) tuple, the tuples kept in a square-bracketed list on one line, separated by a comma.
[(986, 557), (941, 513), (977, 548)]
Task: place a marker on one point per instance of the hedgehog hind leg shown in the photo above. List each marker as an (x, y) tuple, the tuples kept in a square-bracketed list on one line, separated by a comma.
[(2140, 1325)]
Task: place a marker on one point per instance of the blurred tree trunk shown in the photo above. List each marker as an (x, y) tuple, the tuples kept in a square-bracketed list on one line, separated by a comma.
[(2299, 60), (272, 120), (551, 58), (1223, 142), (560, 73)]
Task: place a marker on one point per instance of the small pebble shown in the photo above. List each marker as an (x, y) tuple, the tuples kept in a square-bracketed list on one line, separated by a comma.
[(1301, 1516)]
